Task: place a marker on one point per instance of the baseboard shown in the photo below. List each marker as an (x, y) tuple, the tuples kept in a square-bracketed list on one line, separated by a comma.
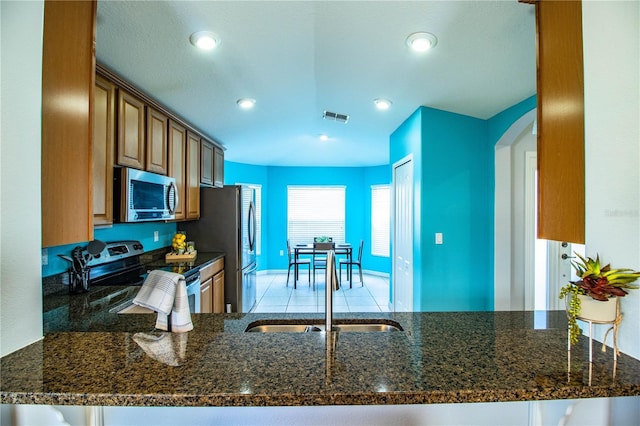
[(284, 271)]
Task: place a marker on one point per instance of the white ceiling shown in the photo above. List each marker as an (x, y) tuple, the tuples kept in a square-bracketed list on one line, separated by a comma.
[(298, 58)]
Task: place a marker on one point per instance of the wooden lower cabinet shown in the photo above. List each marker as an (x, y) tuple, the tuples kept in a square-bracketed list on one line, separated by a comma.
[(218, 293), (206, 296), (212, 288)]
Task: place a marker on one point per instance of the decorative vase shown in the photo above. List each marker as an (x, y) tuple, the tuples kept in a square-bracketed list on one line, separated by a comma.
[(597, 310)]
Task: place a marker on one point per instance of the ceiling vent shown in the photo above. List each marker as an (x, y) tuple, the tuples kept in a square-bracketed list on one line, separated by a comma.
[(328, 115)]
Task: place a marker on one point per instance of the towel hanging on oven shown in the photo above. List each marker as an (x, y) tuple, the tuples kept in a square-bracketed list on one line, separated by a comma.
[(166, 293)]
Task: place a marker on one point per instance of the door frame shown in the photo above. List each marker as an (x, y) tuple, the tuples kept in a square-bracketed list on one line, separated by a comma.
[(396, 165), (503, 236)]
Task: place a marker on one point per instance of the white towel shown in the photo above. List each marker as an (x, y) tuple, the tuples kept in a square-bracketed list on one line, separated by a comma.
[(166, 293), (167, 348)]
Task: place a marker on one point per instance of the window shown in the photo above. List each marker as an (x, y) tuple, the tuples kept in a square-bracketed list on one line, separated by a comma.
[(258, 191), (314, 211), (380, 220)]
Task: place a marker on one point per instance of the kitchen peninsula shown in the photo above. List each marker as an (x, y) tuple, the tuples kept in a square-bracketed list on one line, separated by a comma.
[(441, 357)]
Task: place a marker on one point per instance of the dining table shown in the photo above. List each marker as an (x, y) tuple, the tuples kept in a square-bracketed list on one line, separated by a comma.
[(340, 249)]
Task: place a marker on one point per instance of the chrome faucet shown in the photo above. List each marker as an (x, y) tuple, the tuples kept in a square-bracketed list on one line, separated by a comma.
[(330, 281)]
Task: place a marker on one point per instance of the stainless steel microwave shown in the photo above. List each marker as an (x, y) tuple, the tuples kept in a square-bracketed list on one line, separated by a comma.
[(143, 196)]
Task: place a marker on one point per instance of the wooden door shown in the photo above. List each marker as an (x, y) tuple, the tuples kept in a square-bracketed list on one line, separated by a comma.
[(157, 128), (104, 127), (403, 236), (218, 168), (206, 162), (218, 293), (177, 162), (131, 143), (193, 176), (206, 296), (68, 70)]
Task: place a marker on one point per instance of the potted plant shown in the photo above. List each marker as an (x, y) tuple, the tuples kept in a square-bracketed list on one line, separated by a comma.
[(598, 288)]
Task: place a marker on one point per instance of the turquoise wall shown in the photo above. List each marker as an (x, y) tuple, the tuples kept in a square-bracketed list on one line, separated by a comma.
[(457, 193), (499, 123), (274, 181), (118, 232), (454, 184)]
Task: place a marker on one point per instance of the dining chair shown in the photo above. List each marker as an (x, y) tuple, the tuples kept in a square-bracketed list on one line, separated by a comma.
[(296, 265), (350, 263), (319, 257)]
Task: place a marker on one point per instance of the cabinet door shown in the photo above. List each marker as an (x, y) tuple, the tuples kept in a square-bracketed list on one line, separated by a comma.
[(218, 293), (131, 143), (561, 194), (68, 70), (218, 168), (156, 141), (193, 176), (104, 127), (177, 147), (206, 296), (206, 163)]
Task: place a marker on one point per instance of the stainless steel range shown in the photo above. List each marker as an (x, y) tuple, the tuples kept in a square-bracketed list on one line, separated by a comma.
[(119, 264)]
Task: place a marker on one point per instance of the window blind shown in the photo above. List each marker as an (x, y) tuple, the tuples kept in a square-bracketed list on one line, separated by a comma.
[(315, 211), (380, 220)]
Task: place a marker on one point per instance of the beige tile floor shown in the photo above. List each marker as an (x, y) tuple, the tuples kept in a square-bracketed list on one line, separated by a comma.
[(274, 296)]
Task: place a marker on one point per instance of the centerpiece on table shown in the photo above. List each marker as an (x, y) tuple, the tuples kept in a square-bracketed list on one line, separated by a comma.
[(594, 296)]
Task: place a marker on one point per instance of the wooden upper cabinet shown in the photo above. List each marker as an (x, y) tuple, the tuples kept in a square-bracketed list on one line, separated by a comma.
[(156, 141), (206, 163), (177, 163), (104, 127), (218, 167), (131, 131), (212, 165), (193, 176), (68, 64), (561, 169)]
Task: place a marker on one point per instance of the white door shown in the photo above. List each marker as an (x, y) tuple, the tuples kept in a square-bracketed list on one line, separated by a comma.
[(403, 235), (548, 263), (559, 270)]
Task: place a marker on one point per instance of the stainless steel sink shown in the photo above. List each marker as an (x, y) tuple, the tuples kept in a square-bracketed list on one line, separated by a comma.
[(362, 327)]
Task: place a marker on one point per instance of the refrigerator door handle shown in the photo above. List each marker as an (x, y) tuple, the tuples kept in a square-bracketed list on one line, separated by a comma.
[(251, 224)]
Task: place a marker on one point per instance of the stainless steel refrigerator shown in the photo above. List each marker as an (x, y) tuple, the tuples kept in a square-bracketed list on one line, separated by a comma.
[(228, 223)]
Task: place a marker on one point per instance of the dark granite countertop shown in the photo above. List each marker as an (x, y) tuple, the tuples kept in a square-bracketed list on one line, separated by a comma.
[(90, 311), (439, 358)]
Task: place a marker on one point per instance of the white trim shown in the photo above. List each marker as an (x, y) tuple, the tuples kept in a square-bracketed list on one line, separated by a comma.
[(502, 212), (531, 166)]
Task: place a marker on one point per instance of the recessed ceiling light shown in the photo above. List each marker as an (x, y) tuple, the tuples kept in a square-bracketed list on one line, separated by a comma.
[(382, 104), (204, 40), (323, 137), (421, 42), (246, 103)]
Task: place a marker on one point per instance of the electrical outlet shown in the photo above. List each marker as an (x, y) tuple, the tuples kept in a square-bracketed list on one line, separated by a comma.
[(281, 252), (156, 236), (45, 257)]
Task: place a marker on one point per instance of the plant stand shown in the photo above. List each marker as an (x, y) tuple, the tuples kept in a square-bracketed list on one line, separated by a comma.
[(598, 312)]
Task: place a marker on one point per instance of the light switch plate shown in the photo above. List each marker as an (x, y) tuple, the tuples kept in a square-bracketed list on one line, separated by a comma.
[(156, 237), (439, 238)]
